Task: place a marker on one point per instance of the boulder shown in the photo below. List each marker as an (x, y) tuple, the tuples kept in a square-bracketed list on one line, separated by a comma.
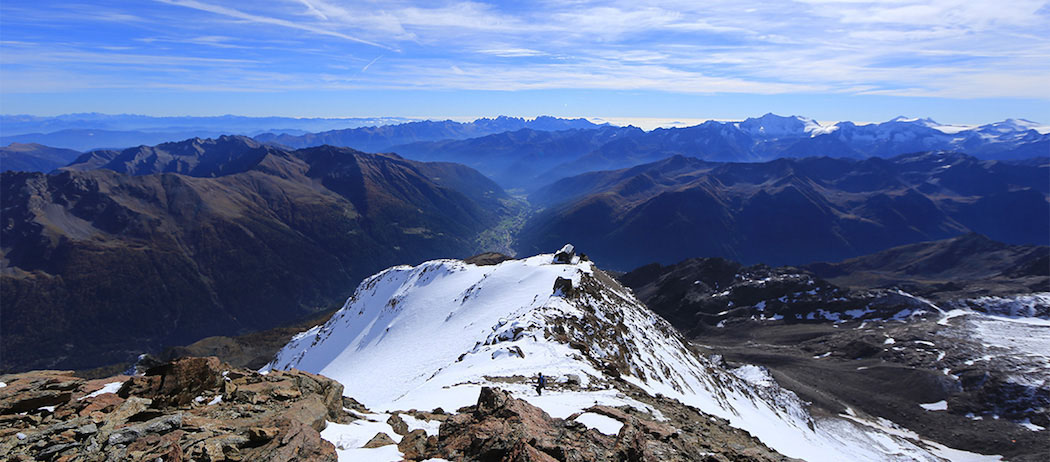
[(381, 439), (399, 425), (563, 287), (564, 256), (171, 414), (493, 428), (30, 391), (177, 383), (414, 445)]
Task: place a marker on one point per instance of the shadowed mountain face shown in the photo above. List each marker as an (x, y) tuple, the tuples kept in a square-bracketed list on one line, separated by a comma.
[(243, 237), (34, 157), (945, 265), (694, 294), (958, 321), (518, 159), (788, 211)]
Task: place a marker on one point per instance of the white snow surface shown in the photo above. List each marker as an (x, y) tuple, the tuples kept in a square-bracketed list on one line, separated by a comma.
[(111, 387), (432, 335), (348, 439), (604, 424), (941, 405)]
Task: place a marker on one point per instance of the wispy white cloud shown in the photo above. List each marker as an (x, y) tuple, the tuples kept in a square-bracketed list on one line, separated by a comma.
[(944, 48), (370, 63), (237, 14), (510, 52)]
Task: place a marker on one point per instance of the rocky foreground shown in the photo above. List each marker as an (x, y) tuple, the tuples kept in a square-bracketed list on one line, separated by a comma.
[(203, 409)]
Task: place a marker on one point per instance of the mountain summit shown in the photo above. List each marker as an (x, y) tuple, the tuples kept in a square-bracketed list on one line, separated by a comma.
[(434, 335)]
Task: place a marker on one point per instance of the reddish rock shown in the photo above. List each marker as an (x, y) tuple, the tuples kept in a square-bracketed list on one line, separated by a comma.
[(399, 425), (381, 439), (30, 391), (104, 403), (177, 383)]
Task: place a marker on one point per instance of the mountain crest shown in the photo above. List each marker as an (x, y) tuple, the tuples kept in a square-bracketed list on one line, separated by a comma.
[(436, 333)]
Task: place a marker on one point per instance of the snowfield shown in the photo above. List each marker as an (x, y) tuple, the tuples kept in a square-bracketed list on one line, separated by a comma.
[(432, 335)]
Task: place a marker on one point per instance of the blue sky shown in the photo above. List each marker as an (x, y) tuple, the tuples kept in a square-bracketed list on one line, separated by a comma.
[(956, 61)]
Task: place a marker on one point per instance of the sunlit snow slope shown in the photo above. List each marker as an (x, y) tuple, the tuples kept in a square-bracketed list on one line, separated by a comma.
[(431, 335)]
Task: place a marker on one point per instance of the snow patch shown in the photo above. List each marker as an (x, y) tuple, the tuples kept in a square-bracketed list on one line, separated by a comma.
[(348, 439), (941, 405), (111, 387), (604, 424)]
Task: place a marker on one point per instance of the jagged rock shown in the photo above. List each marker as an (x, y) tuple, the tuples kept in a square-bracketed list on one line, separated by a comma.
[(492, 429), (399, 425), (257, 434), (563, 287), (487, 259), (500, 427), (162, 424), (176, 383), (99, 405), (171, 414), (565, 255), (525, 452), (381, 439), (414, 445), (352, 404), (32, 390), (572, 380), (294, 441)]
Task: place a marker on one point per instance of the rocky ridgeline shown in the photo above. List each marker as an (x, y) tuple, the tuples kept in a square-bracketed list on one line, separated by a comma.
[(501, 427), (701, 293), (189, 409), (202, 409)]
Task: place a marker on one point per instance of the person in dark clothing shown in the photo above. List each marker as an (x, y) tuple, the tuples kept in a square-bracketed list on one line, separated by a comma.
[(540, 382)]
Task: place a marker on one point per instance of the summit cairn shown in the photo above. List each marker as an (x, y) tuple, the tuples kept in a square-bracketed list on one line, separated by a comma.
[(565, 255)]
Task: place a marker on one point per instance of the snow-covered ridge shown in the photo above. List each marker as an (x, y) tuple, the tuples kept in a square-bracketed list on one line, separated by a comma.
[(774, 126), (432, 335)]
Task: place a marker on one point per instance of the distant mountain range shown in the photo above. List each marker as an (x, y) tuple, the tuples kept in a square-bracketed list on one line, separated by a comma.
[(165, 245), (788, 211), (204, 223), (522, 153), (383, 138), (85, 132), (528, 160), (11, 125)]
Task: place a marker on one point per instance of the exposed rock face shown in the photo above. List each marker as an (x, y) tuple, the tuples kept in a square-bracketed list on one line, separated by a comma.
[(565, 254), (563, 286), (500, 427), (488, 258), (190, 409), (201, 409)]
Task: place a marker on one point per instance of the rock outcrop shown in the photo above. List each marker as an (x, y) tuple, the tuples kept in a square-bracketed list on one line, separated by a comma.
[(201, 409), (189, 409), (501, 427)]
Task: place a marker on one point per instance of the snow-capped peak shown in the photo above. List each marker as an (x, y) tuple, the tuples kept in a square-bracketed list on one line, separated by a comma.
[(927, 122), (1010, 126), (775, 126), (432, 335)]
